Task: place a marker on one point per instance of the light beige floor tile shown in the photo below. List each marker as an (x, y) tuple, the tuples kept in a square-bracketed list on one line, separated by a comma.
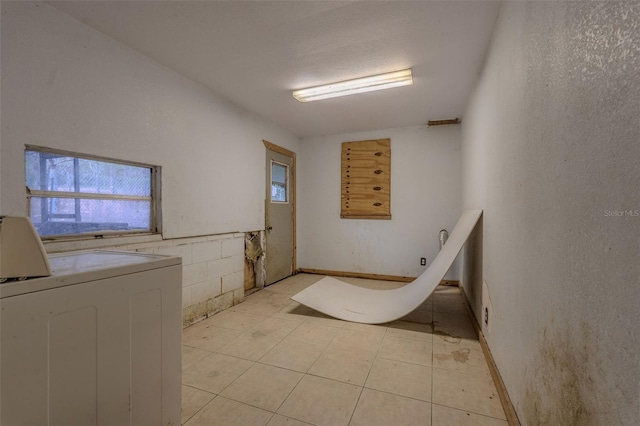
[(448, 293), (453, 325), (191, 355), (225, 412), (406, 350), (463, 356), (294, 285), (236, 320), (393, 361), (410, 330), (321, 402), (256, 296), (344, 366), (208, 337), (420, 315), (296, 312), (475, 394), (215, 372), (278, 420), (315, 334), (293, 355), (450, 303), (275, 327), (375, 329), (269, 304), (384, 409), (400, 378), (250, 346), (290, 288), (309, 278), (263, 386), (356, 341), (193, 400), (447, 289), (446, 416), (322, 319)]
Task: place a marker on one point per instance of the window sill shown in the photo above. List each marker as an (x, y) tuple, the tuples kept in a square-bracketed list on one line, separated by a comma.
[(87, 243)]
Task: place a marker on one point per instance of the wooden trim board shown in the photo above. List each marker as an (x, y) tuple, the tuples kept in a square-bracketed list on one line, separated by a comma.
[(292, 155), (507, 405), (380, 277), (357, 275)]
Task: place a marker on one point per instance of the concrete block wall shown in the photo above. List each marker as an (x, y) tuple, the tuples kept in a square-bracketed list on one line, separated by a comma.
[(212, 269), (212, 272)]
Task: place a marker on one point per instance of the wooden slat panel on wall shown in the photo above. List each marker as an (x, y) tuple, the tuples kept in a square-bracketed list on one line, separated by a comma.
[(366, 179)]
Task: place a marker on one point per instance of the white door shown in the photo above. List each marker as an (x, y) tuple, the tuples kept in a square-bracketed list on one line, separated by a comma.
[(279, 213)]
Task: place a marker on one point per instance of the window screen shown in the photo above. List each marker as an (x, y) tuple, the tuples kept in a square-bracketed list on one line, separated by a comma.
[(72, 194)]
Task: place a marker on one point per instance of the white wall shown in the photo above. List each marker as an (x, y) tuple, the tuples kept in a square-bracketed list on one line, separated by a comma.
[(551, 143), (425, 198), (66, 86)]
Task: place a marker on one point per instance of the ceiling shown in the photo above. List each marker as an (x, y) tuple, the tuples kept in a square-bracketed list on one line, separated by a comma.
[(255, 53)]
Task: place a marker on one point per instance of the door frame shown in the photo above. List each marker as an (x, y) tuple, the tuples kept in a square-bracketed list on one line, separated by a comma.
[(280, 150)]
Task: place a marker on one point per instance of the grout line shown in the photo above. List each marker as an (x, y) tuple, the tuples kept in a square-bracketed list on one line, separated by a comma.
[(203, 390), (400, 395), (469, 411), (290, 392), (375, 357), (355, 407), (199, 409), (430, 339)]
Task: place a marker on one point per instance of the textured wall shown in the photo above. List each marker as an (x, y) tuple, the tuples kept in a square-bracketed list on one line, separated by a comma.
[(425, 198), (551, 143), (66, 86)]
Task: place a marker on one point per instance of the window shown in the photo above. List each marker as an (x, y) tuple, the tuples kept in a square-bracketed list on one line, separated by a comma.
[(72, 194), (279, 182), (366, 179)]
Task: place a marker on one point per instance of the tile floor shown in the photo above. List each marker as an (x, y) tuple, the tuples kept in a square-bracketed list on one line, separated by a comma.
[(271, 361)]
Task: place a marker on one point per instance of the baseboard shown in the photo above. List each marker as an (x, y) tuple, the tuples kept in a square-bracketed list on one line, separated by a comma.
[(380, 277), (357, 275), (507, 405)]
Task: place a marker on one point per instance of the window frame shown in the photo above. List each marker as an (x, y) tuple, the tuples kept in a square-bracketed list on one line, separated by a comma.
[(154, 197), (286, 183)]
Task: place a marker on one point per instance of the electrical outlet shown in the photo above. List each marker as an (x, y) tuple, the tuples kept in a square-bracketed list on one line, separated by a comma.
[(423, 261), (486, 316)]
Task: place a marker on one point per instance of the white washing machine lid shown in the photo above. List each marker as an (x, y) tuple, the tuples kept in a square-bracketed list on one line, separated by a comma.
[(79, 267)]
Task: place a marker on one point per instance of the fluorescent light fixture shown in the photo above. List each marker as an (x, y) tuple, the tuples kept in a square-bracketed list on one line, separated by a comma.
[(359, 85)]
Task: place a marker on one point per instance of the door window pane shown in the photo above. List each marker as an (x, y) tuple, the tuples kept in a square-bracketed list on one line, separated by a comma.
[(279, 182)]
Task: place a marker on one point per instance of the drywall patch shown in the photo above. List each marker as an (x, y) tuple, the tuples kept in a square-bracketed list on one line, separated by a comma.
[(562, 389)]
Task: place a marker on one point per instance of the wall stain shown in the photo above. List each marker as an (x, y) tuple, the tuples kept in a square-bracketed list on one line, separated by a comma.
[(562, 389)]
